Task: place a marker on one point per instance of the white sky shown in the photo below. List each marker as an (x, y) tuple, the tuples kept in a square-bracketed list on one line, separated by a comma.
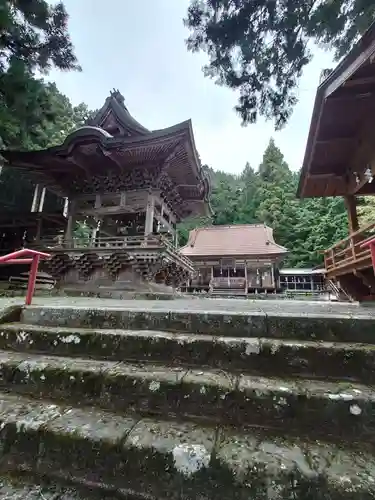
[(138, 47)]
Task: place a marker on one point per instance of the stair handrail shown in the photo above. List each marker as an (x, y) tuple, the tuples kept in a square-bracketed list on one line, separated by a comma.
[(26, 256)]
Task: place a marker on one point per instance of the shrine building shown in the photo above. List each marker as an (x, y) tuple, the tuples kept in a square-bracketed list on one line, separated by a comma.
[(130, 187), (340, 161), (234, 260)]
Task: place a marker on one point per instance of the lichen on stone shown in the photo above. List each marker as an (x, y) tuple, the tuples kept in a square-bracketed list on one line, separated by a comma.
[(70, 339), (154, 385), (190, 458)]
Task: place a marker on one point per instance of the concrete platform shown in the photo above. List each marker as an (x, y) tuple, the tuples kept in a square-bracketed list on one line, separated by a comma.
[(208, 305)]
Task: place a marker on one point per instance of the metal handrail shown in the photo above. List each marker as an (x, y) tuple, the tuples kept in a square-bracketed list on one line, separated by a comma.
[(26, 256)]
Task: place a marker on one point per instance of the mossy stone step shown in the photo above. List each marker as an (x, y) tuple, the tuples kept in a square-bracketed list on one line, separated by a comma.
[(264, 356), (332, 328), (160, 459), (326, 409), (19, 489)]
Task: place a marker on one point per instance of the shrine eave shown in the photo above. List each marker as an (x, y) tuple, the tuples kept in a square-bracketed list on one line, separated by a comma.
[(94, 135), (344, 108), (89, 151)]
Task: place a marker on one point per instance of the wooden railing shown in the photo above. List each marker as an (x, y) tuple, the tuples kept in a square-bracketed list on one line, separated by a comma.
[(349, 254), (100, 242), (225, 282), (172, 250)]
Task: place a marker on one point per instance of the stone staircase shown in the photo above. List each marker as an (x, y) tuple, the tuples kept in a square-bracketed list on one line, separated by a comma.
[(229, 292), (188, 404)]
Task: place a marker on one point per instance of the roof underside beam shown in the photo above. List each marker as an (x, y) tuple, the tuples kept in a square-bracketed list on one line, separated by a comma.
[(354, 82), (351, 69)]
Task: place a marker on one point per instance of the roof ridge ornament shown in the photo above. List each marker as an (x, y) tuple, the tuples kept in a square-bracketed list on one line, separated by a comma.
[(116, 94)]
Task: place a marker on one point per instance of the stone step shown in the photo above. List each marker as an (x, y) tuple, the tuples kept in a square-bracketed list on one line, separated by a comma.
[(264, 356), (315, 408), (34, 489), (154, 459), (228, 292), (330, 327)]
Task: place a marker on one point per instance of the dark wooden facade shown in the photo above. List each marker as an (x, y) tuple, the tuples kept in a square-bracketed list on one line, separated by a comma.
[(340, 160), (302, 280), (234, 260), (130, 186)]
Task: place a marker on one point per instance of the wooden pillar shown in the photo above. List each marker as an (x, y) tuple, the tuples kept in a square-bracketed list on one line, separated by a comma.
[(70, 224), (246, 283), (38, 229), (36, 199), (149, 214), (122, 199), (93, 236), (69, 229), (98, 201), (66, 207), (351, 207), (175, 237), (273, 276), (42, 198)]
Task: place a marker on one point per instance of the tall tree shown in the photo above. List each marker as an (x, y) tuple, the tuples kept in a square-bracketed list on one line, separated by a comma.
[(260, 47), (267, 195), (16, 191), (275, 194), (33, 37)]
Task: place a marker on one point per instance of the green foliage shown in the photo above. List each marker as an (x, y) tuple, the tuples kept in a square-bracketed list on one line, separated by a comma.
[(260, 47), (16, 191), (304, 227), (35, 33), (34, 37), (33, 114), (366, 210)]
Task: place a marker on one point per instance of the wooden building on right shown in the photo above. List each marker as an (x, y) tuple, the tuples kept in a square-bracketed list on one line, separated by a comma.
[(340, 161)]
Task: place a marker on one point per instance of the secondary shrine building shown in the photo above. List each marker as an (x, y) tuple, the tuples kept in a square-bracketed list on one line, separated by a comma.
[(234, 259), (340, 161), (130, 186)]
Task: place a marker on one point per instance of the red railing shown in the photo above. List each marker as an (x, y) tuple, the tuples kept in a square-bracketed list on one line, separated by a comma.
[(351, 253), (26, 256), (371, 245)]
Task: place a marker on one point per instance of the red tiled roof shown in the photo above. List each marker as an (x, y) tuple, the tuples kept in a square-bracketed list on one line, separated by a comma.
[(247, 239)]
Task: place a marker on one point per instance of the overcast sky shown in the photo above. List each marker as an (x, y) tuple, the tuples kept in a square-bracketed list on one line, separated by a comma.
[(138, 47)]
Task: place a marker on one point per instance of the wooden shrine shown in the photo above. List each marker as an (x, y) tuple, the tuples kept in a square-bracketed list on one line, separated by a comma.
[(129, 187), (340, 161), (234, 260)]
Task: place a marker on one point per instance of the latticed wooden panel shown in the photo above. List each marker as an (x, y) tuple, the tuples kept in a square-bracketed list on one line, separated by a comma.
[(114, 181), (113, 264), (58, 265), (87, 263), (151, 266)]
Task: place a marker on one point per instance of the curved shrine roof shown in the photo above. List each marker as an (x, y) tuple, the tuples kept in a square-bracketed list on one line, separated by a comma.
[(115, 113), (114, 152), (255, 240)]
